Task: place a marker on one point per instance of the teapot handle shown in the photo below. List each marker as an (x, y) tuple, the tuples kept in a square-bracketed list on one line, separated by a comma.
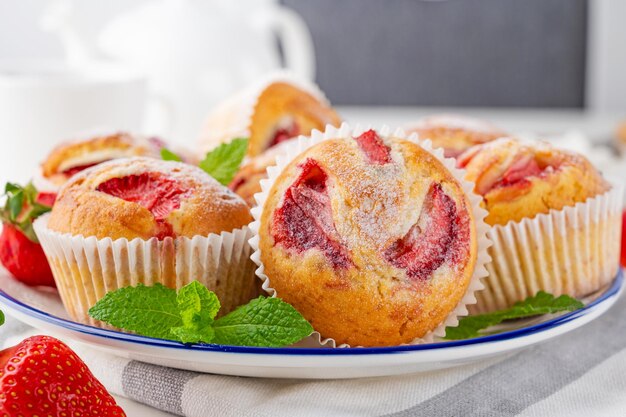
[(296, 41)]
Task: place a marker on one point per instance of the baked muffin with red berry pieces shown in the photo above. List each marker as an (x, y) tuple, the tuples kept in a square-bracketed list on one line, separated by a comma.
[(520, 179), (370, 237), (72, 157), (268, 113), (455, 133), (556, 221), (142, 220)]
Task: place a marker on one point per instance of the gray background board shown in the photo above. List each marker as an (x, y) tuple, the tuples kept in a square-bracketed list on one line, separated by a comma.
[(449, 53)]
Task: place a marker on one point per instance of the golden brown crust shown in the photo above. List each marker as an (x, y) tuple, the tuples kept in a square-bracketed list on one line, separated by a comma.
[(455, 133), (95, 149), (206, 207), (565, 179), (372, 302)]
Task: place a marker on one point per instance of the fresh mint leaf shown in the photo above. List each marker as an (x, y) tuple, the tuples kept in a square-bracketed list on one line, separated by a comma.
[(541, 303), (262, 322), (197, 307), (1, 318), (149, 311), (223, 162), (168, 155)]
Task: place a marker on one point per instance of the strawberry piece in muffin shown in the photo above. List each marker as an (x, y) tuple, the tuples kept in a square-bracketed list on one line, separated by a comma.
[(370, 238), (155, 192), (433, 239), (305, 219)]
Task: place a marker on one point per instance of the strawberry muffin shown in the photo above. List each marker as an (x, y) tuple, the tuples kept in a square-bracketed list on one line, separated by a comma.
[(268, 114), (141, 220), (556, 221), (371, 238), (70, 158), (455, 133)]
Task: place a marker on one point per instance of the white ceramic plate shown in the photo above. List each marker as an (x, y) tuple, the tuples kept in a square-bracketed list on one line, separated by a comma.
[(43, 310)]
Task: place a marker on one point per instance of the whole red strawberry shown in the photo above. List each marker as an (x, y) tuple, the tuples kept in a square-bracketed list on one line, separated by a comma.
[(20, 251), (43, 377)]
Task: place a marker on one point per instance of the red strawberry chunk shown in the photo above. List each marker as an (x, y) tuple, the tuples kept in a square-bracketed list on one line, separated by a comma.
[(305, 221), (42, 376), (75, 170), (155, 192), (283, 134), (373, 147), (46, 198), (519, 171), (438, 236)]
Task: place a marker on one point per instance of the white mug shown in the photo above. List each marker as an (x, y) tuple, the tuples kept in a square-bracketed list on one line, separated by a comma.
[(45, 103)]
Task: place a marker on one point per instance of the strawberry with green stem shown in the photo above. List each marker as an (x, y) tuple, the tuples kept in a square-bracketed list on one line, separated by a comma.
[(20, 251)]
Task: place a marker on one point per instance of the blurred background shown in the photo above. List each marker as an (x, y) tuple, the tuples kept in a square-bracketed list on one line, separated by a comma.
[(542, 65)]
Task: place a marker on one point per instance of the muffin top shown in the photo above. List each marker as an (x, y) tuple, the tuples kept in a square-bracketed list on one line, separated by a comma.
[(144, 198), (268, 113), (522, 179), (70, 158), (455, 133), (372, 239)]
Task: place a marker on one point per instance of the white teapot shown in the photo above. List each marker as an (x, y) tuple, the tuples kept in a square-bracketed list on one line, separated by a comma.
[(197, 52)]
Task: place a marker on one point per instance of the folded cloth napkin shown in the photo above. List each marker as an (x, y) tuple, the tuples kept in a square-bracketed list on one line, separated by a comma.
[(582, 373)]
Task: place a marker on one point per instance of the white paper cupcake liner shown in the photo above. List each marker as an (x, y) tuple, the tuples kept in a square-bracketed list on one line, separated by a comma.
[(233, 117), (86, 268), (331, 132), (572, 251)]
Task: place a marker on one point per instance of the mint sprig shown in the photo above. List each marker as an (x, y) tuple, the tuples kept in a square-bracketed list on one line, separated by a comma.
[(189, 317), (168, 155), (541, 303), (21, 208), (223, 162)]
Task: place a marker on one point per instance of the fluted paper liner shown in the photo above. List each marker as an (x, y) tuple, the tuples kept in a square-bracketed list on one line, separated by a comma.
[(303, 143), (86, 268), (571, 251)]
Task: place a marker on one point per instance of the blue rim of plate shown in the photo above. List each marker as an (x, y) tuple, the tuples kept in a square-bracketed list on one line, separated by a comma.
[(611, 291)]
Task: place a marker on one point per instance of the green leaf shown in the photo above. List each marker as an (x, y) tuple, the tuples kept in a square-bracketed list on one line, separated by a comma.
[(15, 204), (21, 208), (223, 162), (1, 318), (197, 307), (262, 322), (168, 155), (149, 311), (541, 303)]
